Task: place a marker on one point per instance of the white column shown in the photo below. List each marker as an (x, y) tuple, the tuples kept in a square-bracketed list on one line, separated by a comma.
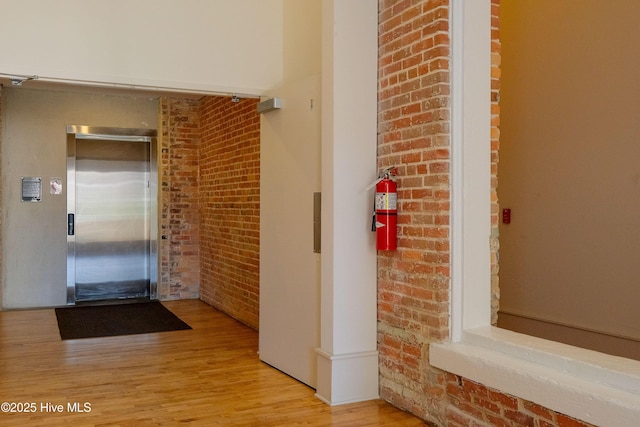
[(347, 357)]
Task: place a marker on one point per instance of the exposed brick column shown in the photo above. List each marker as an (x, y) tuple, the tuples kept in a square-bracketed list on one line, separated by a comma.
[(414, 135), (495, 147), (179, 275), (413, 282)]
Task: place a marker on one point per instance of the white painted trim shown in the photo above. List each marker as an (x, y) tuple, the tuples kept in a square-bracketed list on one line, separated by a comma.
[(347, 378), (457, 161), (471, 165), (587, 385), (347, 360), (155, 87)]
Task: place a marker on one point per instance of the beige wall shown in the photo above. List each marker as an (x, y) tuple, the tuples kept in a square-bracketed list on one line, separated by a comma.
[(289, 175), (34, 144), (569, 150), (178, 44)]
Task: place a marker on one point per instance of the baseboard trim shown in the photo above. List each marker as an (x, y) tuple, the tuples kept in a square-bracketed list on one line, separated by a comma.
[(347, 378)]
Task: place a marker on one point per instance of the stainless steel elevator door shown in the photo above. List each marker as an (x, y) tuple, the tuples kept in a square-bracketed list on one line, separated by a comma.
[(111, 219)]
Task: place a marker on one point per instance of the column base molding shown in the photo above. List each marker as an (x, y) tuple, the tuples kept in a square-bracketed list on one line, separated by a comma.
[(347, 378)]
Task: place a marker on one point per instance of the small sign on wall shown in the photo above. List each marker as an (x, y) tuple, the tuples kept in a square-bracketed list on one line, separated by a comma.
[(55, 186), (31, 189)]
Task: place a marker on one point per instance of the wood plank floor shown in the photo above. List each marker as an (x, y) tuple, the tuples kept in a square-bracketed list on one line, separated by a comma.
[(207, 376)]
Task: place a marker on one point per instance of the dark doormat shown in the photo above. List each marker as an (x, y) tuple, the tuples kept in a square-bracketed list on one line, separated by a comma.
[(116, 319)]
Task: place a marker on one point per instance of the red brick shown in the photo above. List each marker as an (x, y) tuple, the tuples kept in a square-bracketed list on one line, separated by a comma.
[(179, 219), (519, 418), (229, 186), (414, 133), (565, 421), (538, 410)]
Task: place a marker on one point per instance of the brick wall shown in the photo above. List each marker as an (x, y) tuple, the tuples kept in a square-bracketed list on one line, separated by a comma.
[(209, 171), (230, 207), (413, 282), (179, 275), (413, 134), (495, 146), (472, 404)]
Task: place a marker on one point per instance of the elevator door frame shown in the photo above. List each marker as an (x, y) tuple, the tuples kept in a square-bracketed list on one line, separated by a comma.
[(80, 132)]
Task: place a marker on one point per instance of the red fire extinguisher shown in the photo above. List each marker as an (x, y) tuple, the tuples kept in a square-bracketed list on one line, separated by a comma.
[(386, 214)]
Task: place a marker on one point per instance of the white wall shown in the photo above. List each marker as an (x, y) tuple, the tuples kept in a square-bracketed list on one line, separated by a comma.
[(326, 302), (347, 356), (212, 45), (290, 174)]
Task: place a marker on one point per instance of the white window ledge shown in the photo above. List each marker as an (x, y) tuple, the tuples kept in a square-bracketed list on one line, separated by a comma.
[(591, 386)]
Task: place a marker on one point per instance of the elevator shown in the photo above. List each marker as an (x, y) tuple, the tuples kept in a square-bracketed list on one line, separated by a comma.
[(111, 214)]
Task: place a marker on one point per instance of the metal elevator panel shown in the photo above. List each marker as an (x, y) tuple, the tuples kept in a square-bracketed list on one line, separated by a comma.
[(112, 215)]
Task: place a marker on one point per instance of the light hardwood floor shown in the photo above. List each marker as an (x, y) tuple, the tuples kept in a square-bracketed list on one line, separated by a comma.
[(208, 376)]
